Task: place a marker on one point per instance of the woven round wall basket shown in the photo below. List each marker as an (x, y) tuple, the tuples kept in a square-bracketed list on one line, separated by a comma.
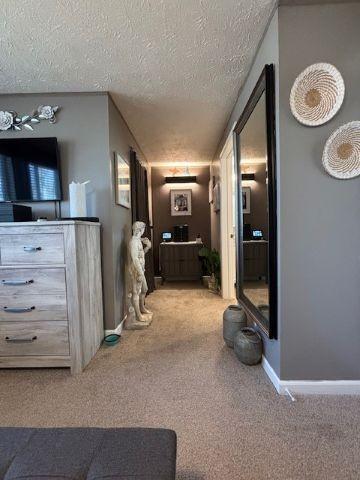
[(317, 94), (341, 157)]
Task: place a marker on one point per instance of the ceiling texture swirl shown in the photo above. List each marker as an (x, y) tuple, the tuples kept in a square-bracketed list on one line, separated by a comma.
[(173, 67)]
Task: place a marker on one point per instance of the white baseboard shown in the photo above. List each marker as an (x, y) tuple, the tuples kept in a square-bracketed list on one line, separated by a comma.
[(270, 372), (117, 330), (311, 387)]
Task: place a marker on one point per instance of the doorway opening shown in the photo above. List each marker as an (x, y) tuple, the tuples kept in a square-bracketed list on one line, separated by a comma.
[(181, 230), (228, 220)]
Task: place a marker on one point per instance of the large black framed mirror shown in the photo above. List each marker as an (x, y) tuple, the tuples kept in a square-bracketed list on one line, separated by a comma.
[(255, 158)]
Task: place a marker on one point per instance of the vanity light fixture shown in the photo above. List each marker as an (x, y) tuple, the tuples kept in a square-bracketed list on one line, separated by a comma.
[(248, 176), (181, 179)]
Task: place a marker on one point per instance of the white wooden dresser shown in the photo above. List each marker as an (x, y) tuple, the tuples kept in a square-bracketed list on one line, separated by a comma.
[(51, 310)]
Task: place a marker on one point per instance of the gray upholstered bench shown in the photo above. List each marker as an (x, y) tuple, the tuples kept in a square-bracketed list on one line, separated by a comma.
[(87, 453)]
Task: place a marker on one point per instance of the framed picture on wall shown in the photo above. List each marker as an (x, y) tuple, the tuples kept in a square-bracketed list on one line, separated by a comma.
[(122, 182), (211, 191), (216, 197), (180, 202), (246, 195)]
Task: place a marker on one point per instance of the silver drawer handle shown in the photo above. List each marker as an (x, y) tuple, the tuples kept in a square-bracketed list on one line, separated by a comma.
[(16, 282), (30, 248), (18, 309), (20, 340)]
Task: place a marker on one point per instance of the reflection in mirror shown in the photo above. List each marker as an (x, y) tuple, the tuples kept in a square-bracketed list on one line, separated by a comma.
[(256, 275), (253, 160)]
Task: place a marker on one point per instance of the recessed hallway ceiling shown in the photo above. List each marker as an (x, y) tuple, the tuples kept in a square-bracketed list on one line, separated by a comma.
[(173, 67)]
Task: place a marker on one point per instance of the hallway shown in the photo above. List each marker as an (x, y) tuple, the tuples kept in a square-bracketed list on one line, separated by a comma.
[(230, 422)]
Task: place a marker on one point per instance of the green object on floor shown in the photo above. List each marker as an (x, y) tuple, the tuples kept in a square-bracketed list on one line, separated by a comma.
[(211, 264), (112, 339)]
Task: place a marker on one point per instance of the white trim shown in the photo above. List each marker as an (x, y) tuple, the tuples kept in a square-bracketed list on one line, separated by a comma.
[(311, 387), (270, 372), (320, 387), (117, 330), (227, 247), (228, 144)]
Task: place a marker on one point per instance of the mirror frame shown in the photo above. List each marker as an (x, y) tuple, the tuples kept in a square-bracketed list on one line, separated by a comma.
[(266, 83)]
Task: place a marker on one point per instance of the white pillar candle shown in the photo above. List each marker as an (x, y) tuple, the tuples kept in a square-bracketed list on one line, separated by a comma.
[(77, 195)]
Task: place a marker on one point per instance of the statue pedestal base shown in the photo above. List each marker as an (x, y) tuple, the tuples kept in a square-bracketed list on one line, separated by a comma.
[(131, 322)]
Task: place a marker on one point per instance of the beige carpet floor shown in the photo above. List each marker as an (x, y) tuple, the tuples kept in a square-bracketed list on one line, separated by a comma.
[(178, 374)]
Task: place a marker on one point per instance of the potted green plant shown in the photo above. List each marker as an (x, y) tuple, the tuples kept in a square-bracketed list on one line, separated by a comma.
[(211, 265)]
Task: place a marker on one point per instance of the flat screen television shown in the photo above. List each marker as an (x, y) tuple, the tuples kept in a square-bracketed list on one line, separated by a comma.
[(30, 170)]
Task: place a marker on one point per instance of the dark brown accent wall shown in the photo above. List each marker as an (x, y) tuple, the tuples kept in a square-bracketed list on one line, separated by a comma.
[(199, 221)]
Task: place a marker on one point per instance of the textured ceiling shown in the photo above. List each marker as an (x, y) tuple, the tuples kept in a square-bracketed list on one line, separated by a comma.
[(173, 67)]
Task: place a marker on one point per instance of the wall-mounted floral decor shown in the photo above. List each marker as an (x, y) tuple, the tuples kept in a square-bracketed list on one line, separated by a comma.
[(10, 120)]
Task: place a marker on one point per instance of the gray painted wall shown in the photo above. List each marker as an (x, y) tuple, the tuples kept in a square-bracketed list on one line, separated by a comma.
[(320, 216), (120, 140), (89, 129), (268, 53), (82, 135)]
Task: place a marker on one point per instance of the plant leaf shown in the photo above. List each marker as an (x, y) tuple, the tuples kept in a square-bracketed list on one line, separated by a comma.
[(25, 118), (42, 117), (35, 120), (28, 127), (17, 127)]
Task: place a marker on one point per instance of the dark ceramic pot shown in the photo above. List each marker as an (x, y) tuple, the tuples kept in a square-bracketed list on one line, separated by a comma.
[(248, 346)]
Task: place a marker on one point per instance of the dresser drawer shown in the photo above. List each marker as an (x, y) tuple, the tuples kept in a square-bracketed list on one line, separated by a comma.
[(32, 249), (25, 308), (37, 338), (25, 281)]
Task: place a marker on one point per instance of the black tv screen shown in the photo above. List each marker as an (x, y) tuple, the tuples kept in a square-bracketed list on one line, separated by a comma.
[(29, 170)]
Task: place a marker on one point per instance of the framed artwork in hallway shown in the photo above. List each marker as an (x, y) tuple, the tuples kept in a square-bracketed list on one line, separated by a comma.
[(122, 182), (180, 202), (211, 191), (246, 195), (216, 197)]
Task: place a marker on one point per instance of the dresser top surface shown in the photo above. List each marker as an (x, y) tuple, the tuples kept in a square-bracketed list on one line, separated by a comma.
[(48, 223), (180, 243), (254, 242)]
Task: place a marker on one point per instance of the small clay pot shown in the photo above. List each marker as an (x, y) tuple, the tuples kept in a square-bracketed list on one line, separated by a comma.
[(234, 318)]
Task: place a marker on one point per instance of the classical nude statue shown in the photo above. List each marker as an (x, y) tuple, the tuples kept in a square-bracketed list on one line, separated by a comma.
[(138, 316)]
